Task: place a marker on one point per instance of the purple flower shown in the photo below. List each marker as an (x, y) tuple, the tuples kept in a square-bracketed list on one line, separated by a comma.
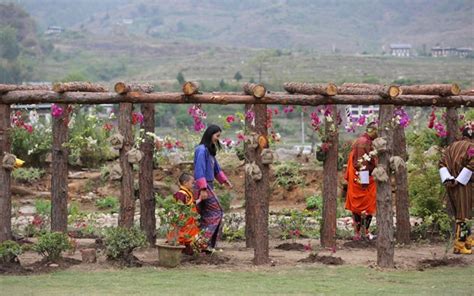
[(470, 152), (361, 120)]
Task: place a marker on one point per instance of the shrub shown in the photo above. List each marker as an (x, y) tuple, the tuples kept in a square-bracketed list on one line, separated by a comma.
[(43, 207), (51, 244), (287, 175), (233, 229), (108, 203), (314, 202), (225, 200), (32, 147), (9, 251), (27, 175), (120, 242)]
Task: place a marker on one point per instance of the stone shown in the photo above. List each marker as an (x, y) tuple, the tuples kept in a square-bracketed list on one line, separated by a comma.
[(88, 255)]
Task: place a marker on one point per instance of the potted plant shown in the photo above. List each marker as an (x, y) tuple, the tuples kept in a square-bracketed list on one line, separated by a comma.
[(173, 217)]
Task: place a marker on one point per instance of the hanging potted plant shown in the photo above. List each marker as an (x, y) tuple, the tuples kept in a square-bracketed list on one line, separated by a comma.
[(173, 217)]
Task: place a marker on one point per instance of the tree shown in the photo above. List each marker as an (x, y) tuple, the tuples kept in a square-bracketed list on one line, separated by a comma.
[(222, 84), (9, 46), (180, 78), (238, 76)]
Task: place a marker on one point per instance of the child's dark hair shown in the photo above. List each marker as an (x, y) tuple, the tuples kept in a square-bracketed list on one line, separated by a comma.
[(185, 177)]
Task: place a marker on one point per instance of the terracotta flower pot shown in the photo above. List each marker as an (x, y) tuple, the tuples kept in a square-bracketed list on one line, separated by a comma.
[(168, 255)]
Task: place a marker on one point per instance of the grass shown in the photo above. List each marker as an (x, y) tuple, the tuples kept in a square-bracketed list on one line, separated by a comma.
[(195, 281)]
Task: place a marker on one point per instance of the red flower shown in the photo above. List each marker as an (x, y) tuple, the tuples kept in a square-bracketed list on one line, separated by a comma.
[(137, 117), (230, 118), (28, 128), (108, 126)]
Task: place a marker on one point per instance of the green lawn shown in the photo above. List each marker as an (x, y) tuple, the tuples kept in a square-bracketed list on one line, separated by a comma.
[(194, 281)]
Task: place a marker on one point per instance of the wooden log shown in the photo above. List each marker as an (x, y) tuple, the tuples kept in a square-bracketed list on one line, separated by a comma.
[(250, 186), (330, 181), (127, 198), (190, 88), (123, 88), (5, 176), (256, 90), (467, 92), (147, 197), (431, 89), (62, 87), (13, 87), (452, 126), (385, 240), (401, 193), (59, 171), (261, 195), (326, 89), (36, 97), (386, 91)]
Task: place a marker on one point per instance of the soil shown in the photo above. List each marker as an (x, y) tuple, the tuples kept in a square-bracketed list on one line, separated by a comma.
[(206, 259), (291, 247), (361, 244), (431, 263), (328, 260)]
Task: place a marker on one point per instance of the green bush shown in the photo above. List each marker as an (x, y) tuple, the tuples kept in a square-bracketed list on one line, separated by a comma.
[(288, 175), (9, 251), (51, 244), (120, 242), (314, 202), (225, 200), (88, 144), (43, 207), (108, 203), (27, 175), (32, 147)]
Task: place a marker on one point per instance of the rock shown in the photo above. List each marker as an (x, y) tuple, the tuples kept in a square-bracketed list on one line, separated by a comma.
[(54, 265), (28, 210), (89, 255)]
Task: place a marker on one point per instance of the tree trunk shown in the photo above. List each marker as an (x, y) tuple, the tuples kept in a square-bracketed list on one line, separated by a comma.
[(78, 86), (250, 188), (147, 198), (327, 89), (127, 198), (36, 97), (432, 89), (385, 240), (256, 90), (381, 90), (5, 179), (59, 171), (261, 195), (330, 181), (401, 177), (452, 126), (123, 88), (190, 88), (13, 87)]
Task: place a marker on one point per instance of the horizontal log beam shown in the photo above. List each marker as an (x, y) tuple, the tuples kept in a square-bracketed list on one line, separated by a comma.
[(388, 91), (327, 89), (36, 97), (123, 88), (12, 87), (62, 87), (432, 89)]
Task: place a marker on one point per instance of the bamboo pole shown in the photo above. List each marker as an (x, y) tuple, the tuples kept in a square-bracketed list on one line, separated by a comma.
[(35, 97)]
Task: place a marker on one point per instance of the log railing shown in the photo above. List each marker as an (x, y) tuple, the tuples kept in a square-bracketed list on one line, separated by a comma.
[(128, 94)]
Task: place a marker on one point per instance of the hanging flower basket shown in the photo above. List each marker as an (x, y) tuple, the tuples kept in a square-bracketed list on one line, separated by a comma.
[(8, 161), (134, 156), (116, 141)]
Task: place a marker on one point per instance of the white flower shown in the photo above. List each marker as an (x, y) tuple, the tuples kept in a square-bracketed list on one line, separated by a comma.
[(366, 157)]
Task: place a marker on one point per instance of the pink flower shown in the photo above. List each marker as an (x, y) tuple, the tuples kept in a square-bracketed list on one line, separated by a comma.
[(230, 118), (249, 115), (240, 137), (198, 124), (288, 109), (275, 111), (361, 120), (137, 118), (227, 142), (315, 121), (179, 144), (470, 152), (56, 111), (28, 128)]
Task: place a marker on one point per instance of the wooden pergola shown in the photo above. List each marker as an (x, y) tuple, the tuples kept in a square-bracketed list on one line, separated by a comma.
[(256, 192)]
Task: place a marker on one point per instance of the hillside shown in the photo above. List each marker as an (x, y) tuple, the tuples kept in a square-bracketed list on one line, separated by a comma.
[(325, 25)]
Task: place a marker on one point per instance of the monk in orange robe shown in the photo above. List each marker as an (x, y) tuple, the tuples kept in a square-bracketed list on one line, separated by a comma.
[(189, 232), (361, 187)]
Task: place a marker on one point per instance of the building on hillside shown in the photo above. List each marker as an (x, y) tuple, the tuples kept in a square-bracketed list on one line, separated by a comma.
[(400, 50), (354, 112), (439, 51), (54, 31)]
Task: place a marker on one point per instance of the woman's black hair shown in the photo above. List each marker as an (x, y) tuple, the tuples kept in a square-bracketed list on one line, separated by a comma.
[(206, 139)]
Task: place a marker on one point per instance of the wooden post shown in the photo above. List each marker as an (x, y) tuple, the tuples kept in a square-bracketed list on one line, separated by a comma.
[(59, 171), (401, 179), (452, 126), (330, 181), (147, 198), (261, 194), (250, 187), (5, 181), (127, 198), (385, 241)]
